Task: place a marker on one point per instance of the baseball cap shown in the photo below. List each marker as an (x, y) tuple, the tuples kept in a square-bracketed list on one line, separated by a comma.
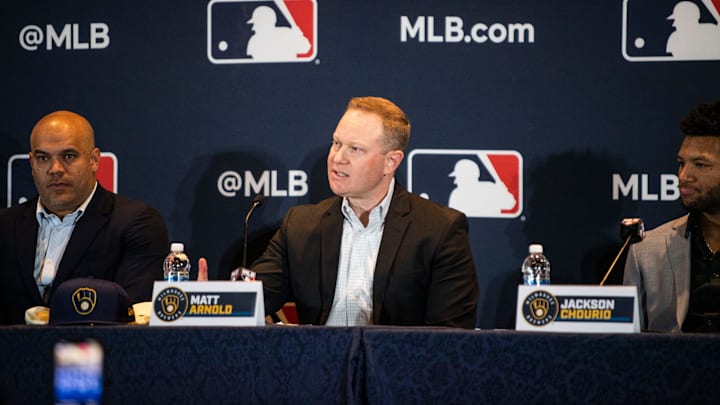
[(90, 301)]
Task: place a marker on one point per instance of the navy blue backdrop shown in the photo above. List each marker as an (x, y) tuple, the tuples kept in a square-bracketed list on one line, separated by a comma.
[(572, 106)]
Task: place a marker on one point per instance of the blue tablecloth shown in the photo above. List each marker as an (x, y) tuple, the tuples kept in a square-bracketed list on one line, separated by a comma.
[(376, 365)]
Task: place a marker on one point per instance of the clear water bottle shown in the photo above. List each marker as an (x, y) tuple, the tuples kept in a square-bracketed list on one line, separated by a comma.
[(176, 266), (536, 267)]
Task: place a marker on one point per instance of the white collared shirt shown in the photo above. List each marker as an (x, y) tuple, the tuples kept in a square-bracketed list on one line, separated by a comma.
[(353, 302), (53, 236)]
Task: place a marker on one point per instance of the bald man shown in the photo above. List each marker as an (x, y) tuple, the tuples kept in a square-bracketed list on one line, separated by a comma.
[(74, 228)]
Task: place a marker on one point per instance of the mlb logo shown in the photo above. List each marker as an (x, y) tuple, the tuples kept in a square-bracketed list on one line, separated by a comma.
[(480, 183), (20, 185), (271, 31), (670, 30)]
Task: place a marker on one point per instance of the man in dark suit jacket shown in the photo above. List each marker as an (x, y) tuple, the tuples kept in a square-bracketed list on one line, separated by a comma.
[(375, 253), (74, 228)]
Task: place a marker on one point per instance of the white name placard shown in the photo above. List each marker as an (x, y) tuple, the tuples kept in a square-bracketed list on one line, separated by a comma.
[(208, 303), (577, 308)]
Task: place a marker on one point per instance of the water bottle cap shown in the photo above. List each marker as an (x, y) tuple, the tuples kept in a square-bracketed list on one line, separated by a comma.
[(536, 248), (177, 247)]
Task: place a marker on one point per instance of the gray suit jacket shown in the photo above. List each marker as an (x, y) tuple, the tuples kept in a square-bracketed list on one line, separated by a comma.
[(424, 273), (660, 268)]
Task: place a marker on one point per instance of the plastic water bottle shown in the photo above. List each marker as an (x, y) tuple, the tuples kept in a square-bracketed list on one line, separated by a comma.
[(536, 267), (176, 266)]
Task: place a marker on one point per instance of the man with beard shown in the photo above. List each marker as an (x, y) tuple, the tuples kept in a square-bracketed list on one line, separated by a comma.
[(677, 267)]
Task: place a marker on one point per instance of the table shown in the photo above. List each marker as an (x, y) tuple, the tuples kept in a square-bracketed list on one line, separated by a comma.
[(376, 365), (189, 365), (507, 367)]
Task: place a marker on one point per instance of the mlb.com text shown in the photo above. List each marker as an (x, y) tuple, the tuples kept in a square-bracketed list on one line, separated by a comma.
[(451, 29)]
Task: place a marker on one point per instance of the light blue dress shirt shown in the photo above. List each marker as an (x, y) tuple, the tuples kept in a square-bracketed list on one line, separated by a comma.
[(53, 236), (353, 302)]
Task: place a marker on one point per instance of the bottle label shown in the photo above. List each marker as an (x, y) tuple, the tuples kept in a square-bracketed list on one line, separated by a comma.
[(177, 276), (533, 281)]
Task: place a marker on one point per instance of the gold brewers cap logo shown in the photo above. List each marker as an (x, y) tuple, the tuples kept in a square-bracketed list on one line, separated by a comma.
[(540, 308), (84, 300), (170, 304)]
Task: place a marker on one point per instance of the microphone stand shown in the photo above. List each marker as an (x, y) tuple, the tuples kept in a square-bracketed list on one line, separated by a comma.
[(255, 204), (237, 273), (635, 231), (622, 249)]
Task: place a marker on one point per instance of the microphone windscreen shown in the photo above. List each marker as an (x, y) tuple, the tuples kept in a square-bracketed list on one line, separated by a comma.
[(258, 200), (632, 227)]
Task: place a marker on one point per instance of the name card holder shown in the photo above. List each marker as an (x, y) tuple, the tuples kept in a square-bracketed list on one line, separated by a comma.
[(577, 309), (208, 303)]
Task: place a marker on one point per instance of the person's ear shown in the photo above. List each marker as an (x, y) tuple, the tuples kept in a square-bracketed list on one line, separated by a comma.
[(393, 160), (95, 159)]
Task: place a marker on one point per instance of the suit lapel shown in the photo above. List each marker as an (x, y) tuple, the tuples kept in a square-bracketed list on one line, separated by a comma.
[(330, 229), (396, 223), (86, 229), (26, 233), (678, 251)]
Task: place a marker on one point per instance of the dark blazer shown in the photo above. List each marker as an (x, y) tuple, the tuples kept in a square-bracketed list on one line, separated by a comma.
[(424, 273), (116, 239)]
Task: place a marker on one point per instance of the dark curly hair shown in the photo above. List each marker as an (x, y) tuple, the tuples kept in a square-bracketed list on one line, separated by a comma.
[(704, 120)]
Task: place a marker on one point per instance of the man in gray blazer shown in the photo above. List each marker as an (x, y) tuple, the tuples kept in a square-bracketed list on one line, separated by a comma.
[(374, 253), (677, 267), (74, 228)]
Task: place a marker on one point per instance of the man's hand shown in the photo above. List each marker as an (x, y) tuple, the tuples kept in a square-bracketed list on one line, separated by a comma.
[(202, 270)]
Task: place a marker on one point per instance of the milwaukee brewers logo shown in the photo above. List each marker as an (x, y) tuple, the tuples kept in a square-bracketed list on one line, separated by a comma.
[(84, 300), (540, 308), (170, 304)]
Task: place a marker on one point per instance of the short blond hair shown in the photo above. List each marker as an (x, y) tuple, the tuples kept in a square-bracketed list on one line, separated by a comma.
[(396, 124)]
